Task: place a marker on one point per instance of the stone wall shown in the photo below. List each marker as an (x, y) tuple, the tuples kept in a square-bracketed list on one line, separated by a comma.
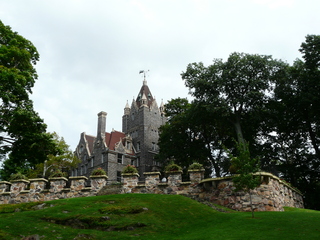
[(41, 189), (272, 195)]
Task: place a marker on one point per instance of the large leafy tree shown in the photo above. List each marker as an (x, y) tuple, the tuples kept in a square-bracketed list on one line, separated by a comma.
[(236, 89), (295, 122), (191, 135), (23, 136)]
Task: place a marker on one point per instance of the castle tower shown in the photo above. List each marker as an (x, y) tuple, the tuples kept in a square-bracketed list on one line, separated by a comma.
[(142, 121)]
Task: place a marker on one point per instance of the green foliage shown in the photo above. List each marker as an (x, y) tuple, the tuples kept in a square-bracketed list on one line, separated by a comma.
[(187, 137), (18, 176), (173, 167), (245, 167), (98, 171), (195, 166), (130, 169), (23, 136), (58, 173), (61, 160)]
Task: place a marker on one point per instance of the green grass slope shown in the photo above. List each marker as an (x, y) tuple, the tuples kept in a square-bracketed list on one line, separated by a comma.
[(150, 216)]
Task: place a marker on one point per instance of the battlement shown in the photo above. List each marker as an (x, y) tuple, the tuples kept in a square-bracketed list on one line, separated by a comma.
[(272, 195)]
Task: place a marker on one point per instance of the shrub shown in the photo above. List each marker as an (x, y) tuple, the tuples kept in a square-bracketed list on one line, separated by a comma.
[(98, 171), (195, 166), (172, 167), (130, 169), (58, 173), (18, 176)]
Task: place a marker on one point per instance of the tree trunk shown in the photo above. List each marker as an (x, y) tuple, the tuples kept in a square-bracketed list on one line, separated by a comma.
[(238, 129)]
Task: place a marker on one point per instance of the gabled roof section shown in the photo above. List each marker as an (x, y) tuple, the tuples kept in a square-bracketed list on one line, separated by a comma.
[(113, 138), (90, 141), (144, 91)]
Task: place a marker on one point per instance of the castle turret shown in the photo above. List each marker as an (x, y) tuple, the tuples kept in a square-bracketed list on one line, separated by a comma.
[(127, 109), (142, 123)]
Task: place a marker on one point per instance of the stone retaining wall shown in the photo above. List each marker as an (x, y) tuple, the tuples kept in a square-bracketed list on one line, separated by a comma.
[(272, 195)]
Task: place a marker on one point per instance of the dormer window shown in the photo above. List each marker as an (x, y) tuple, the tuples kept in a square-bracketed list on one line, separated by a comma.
[(128, 145)]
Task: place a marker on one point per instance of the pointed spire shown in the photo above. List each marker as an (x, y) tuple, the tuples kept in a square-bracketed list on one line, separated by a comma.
[(127, 109), (161, 107)]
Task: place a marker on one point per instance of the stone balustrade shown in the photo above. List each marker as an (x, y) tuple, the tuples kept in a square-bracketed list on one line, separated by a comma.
[(272, 195)]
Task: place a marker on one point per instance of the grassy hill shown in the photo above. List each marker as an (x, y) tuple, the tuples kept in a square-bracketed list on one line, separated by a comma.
[(149, 216)]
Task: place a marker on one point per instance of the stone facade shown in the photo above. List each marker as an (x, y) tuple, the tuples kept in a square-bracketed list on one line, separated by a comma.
[(136, 144), (272, 195)]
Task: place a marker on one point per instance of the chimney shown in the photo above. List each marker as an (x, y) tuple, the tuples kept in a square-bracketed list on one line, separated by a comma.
[(101, 124)]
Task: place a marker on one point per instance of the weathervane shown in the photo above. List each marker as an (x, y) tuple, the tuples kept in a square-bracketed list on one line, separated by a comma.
[(144, 75)]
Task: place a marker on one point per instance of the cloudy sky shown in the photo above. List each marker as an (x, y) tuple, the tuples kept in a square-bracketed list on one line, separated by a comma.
[(91, 51)]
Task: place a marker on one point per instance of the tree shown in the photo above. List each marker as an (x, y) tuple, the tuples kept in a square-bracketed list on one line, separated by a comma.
[(192, 134), (63, 160), (294, 118), (245, 167), (23, 136), (237, 89)]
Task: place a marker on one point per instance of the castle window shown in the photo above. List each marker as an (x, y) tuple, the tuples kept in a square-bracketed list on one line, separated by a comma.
[(102, 158), (91, 162), (120, 156), (118, 176), (81, 148), (128, 145), (153, 146), (138, 146)]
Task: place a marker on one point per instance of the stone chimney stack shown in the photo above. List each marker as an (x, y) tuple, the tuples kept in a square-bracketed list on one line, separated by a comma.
[(102, 116)]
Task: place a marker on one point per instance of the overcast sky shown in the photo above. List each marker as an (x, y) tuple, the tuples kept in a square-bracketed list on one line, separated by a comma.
[(91, 51)]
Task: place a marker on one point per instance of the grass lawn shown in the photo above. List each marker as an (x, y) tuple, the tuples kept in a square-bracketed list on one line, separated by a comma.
[(150, 216)]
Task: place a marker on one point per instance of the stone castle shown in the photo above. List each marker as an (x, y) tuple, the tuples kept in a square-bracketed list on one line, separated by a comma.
[(136, 144)]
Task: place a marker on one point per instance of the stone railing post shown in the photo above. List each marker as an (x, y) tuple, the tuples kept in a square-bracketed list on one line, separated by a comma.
[(18, 185), (78, 183), (57, 184), (4, 186), (174, 178), (37, 184), (152, 180), (196, 175), (98, 182), (130, 181)]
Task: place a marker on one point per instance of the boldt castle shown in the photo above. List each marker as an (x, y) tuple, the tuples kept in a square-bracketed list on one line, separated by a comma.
[(135, 145)]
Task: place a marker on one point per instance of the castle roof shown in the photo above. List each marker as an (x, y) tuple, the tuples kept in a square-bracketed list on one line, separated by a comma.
[(144, 92), (90, 141), (111, 139)]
